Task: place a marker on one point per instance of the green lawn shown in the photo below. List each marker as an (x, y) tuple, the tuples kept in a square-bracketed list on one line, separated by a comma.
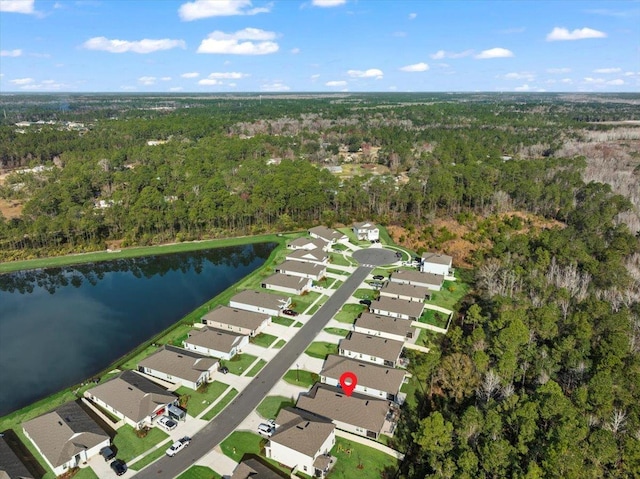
[(199, 472), (298, 324), (240, 443), (339, 259), (271, 405), (301, 378), (365, 293), (279, 344), (349, 313), (129, 445), (338, 271), (85, 473), (282, 321), (426, 338), (263, 339), (320, 349), (256, 369), (301, 303), (239, 363), (353, 238), (339, 247), (337, 331), (213, 412), (434, 318), (336, 284), (409, 388), (450, 294), (200, 400), (363, 462), (148, 459)]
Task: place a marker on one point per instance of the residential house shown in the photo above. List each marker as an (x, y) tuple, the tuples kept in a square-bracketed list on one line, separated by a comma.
[(314, 271), (132, 397), (366, 231), (417, 278), (436, 263), (179, 366), (312, 256), (66, 437), (302, 441), (11, 467), (260, 302), (384, 326), (373, 380), (285, 283), (306, 243), (358, 414), (215, 342), (237, 320), (397, 308), (371, 349), (252, 468), (328, 235), (408, 292)]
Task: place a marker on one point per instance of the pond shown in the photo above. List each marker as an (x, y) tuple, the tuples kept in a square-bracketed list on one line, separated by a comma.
[(61, 326)]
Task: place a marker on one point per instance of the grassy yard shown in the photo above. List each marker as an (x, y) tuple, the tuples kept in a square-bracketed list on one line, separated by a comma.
[(434, 318), (337, 271), (426, 338), (213, 412), (283, 321), (320, 349), (336, 284), (365, 293), (148, 459), (263, 339), (339, 259), (409, 388), (129, 445), (271, 405), (362, 462), (298, 324), (200, 400), (85, 473), (301, 303), (349, 313), (450, 294), (239, 363), (301, 378), (256, 369), (240, 443), (279, 344), (199, 472), (337, 331)]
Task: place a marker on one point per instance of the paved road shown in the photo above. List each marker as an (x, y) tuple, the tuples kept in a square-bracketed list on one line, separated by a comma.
[(224, 424)]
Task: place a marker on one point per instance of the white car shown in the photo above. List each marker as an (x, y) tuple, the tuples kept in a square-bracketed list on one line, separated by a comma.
[(178, 446), (266, 430), (167, 423)]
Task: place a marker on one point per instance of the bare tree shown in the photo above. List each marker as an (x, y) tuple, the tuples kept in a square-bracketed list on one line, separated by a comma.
[(617, 422), (489, 385)]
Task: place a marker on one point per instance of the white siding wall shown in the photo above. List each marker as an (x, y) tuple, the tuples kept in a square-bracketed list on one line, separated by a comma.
[(292, 458), (390, 313), (255, 309), (362, 357), (373, 332), (172, 379), (401, 296), (351, 428), (282, 289), (359, 388), (442, 269)]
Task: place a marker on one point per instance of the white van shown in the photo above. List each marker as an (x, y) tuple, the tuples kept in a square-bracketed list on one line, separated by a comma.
[(266, 430)]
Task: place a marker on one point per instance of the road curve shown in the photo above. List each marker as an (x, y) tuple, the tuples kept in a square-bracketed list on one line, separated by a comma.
[(245, 402)]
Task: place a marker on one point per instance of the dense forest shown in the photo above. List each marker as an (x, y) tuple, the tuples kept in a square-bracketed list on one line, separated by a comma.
[(539, 375)]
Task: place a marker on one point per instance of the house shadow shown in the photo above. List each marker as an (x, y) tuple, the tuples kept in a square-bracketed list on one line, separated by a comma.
[(262, 468), (25, 456)]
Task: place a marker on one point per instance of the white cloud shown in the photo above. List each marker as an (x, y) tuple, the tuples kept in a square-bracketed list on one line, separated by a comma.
[(328, 3), (22, 81), (567, 81), (440, 54), (370, 73), (616, 82), (209, 82), (494, 53), (147, 81), (336, 83), (190, 75), (594, 81), (227, 75), (165, 78), (527, 76), (295, 51), (275, 86), (175, 88), (10, 53), (412, 16), (560, 34), (602, 81), (526, 87), (140, 46), (258, 42), (416, 67), (558, 70), (315, 76), (17, 6), (218, 8), (607, 70)]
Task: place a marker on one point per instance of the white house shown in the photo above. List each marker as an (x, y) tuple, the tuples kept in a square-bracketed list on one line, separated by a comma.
[(328, 235), (313, 256), (373, 380), (314, 271), (66, 437), (286, 283), (215, 342), (132, 397), (437, 264), (371, 349), (358, 414), (179, 366), (260, 302), (306, 243), (418, 278), (384, 326), (366, 231), (397, 308), (237, 320), (303, 442), (408, 292)]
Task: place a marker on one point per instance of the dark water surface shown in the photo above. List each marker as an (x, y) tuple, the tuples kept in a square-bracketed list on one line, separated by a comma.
[(61, 326)]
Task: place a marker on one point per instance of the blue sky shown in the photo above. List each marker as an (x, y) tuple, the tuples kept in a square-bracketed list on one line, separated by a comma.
[(318, 45)]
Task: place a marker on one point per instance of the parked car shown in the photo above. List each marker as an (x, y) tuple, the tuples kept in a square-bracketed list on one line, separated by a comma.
[(107, 453), (271, 422), (167, 423), (224, 369), (378, 277), (289, 312), (266, 429), (178, 446), (119, 467), (366, 302)]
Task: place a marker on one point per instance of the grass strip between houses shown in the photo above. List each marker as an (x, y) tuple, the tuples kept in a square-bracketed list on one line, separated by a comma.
[(199, 472), (256, 369), (215, 410), (148, 459)]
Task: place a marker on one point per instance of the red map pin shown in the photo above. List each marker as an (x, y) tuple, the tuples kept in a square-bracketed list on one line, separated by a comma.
[(348, 382)]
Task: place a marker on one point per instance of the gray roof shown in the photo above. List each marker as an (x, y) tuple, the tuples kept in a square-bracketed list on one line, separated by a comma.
[(418, 277), (132, 395), (305, 241), (286, 281), (11, 466), (401, 306), (437, 258), (369, 375), (387, 349), (178, 362), (260, 299), (357, 409), (327, 233), (212, 338), (365, 225), (253, 469), (236, 317), (64, 432), (308, 255), (384, 324), (410, 290), (301, 431), (302, 267)]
